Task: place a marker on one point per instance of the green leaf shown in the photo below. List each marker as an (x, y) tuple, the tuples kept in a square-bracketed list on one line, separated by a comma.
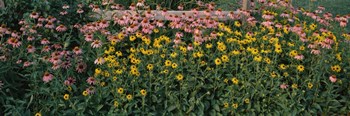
[(98, 108), (216, 107), (171, 108)]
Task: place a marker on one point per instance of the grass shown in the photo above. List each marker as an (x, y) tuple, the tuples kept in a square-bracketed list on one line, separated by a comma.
[(341, 7)]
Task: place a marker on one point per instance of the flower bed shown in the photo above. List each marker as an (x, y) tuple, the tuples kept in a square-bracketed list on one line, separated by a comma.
[(271, 60)]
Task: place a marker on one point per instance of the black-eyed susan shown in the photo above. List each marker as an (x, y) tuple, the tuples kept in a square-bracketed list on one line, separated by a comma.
[(226, 105), (294, 85), (218, 61), (235, 105), (120, 90), (174, 65), (179, 77), (208, 45), (336, 68), (66, 96), (257, 58), (167, 63), (225, 58), (37, 114), (149, 66), (283, 66), (116, 104), (300, 68), (310, 85), (129, 97), (247, 101), (235, 80), (143, 92), (85, 93)]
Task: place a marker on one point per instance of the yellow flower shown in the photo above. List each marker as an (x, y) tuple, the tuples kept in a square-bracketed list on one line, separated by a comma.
[(226, 81), (174, 65), (162, 55), (208, 45), (120, 90), (282, 66), (220, 34), (294, 86), (155, 30), (116, 104), (167, 63), (150, 66), (119, 53), (143, 92), (273, 74), (37, 114), (235, 80), (300, 68), (179, 77), (293, 53), (310, 85), (66, 96), (129, 97), (85, 93), (258, 58), (225, 105), (235, 105), (218, 61), (225, 58), (235, 52), (69, 88), (336, 68), (237, 24), (98, 71), (173, 55), (247, 101), (338, 56)]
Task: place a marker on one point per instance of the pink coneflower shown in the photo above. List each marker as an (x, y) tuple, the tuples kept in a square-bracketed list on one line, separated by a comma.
[(16, 43), (39, 24), (80, 67), (44, 41), (70, 81), (177, 41), (50, 19), (90, 90), (61, 28), (103, 24), (19, 61), (91, 80), (299, 57), (89, 37), (56, 66), (34, 15), (77, 50), (30, 49), (96, 44), (55, 60), (189, 47), (49, 25), (283, 86), (41, 19), (47, 77), (63, 12), (333, 78), (57, 46), (96, 8), (180, 7), (65, 6), (27, 63), (132, 6), (46, 49), (79, 11), (66, 64), (315, 51), (343, 23), (99, 61)]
